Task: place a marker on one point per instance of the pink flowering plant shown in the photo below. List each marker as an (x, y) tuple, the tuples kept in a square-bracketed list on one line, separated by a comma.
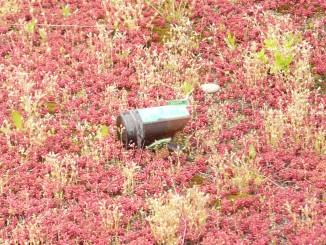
[(252, 165)]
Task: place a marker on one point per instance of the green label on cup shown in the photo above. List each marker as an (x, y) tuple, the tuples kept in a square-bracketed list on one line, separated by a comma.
[(163, 113), (178, 102)]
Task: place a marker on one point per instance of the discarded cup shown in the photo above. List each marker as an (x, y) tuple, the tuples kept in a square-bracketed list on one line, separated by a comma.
[(141, 127)]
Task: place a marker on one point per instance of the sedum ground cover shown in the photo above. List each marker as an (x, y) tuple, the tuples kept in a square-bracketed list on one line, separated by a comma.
[(252, 168)]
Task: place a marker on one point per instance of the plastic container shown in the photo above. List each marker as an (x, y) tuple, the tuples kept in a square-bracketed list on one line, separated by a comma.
[(141, 127)]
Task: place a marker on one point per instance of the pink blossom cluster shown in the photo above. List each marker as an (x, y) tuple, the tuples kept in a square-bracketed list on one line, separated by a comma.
[(75, 204)]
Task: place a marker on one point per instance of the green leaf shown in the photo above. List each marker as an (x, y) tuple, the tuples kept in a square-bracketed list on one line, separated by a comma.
[(197, 180), (238, 196), (282, 62), (291, 40), (217, 204), (30, 26), (262, 56), (187, 88), (42, 33), (17, 119), (271, 43), (252, 152), (159, 143), (230, 40), (66, 11), (103, 131), (51, 106)]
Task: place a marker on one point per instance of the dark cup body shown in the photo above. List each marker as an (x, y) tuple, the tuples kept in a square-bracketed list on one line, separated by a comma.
[(141, 127)]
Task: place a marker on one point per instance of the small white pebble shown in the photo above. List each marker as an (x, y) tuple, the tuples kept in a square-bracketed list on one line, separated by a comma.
[(210, 87)]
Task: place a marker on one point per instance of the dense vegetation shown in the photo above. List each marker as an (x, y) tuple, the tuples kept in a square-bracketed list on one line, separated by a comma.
[(252, 165)]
